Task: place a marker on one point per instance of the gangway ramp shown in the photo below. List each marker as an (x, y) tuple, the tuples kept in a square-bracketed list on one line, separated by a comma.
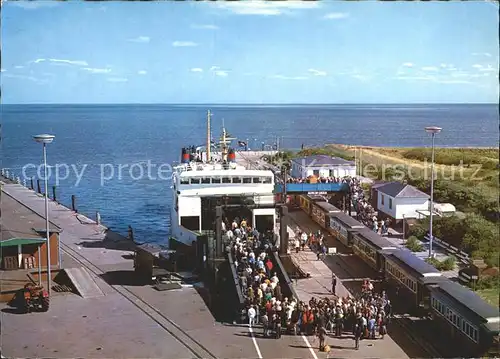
[(83, 282)]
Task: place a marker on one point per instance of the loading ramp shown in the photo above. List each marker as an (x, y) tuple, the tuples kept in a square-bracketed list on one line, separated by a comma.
[(83, 282)]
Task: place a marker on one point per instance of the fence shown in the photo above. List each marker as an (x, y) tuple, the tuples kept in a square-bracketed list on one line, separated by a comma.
[(461, 255)]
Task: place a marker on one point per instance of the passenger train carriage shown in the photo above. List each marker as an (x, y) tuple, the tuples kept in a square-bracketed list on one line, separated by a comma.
[(342, 226), (466, 318), (306, 202), (402, 269), (369, 246), (459, 312), (320, 213)]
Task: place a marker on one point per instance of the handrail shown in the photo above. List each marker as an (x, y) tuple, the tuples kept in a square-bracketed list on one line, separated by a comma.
[(236, 279), (461, 255), (284, 276)]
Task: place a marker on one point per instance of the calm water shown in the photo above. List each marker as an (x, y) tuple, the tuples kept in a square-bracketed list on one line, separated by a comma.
[(98, 139)]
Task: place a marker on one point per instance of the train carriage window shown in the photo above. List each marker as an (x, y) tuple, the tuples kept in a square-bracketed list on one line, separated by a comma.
[(216, 180), (256, 180), (247, 180), (226, 180), (205, 180), (236, 180), (267, 180), (195, 180)]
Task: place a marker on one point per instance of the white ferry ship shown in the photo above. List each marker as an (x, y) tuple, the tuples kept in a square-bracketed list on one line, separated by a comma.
[(209, 176)]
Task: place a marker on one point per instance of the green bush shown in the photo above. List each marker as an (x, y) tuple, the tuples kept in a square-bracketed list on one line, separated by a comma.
[(434, 262), (448, 264), (418, 230), (487, 158), (488, 282), (414, 245)]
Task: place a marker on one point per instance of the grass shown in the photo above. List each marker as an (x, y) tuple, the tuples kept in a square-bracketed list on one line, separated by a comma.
[(466, 165), (491, 296)]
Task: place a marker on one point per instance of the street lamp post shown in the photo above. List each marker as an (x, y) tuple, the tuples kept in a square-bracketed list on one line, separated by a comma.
[(433, 130), (44, 140)]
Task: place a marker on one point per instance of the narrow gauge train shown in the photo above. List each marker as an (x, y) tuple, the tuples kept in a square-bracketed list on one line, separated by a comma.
[(461, 311)]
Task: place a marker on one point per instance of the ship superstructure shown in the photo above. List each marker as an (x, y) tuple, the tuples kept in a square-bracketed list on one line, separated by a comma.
[(209, 176)]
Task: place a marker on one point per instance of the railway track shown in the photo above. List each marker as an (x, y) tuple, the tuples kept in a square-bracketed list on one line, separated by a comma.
[(194, 346), (412, 335)]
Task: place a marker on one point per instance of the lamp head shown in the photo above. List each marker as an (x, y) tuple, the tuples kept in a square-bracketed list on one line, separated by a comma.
[(433, 129), (45, 138)]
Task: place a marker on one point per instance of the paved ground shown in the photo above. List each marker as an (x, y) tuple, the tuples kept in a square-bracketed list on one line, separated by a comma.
[(350, 272)]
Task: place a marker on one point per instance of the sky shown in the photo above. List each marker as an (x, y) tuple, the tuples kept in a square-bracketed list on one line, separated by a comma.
[(249, 52)]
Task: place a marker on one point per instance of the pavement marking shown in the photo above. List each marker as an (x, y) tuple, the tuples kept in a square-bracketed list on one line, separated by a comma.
[(255, 343), (310, 347)]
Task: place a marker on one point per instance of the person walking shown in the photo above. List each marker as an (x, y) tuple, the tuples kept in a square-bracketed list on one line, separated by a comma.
[(251, 316), (334, 284), (322, 336)]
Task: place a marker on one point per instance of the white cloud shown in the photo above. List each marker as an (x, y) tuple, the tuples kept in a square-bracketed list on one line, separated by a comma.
[(317, 72), (265, 8), (213, 68), (408, 64), (489, 68), (282, 77), (62, 61), (142, 72), (184, 44), (24, 77), (430, 68), (94, 70), (33, 5), (3, 70), (415, 78), (221, 73), (361, 77), (117, 79), (477, 66), (19, 67), (452, 82), (336, 15), (205, 27), (487, 54), (196, 69), (141, 39)]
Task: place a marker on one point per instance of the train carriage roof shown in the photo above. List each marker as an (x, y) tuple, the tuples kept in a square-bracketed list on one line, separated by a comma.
[(347, 220), (466, 301), (375, 239), (415, 264), (327, 207)]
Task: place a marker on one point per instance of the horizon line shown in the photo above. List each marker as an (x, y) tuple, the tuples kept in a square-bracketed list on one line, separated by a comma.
[(246, 104)]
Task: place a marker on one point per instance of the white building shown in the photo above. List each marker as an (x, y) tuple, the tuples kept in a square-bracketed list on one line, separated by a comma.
[(399, 200), (322, 166)]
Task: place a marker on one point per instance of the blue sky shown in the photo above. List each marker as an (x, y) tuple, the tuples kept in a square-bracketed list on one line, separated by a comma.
[(249, 52)]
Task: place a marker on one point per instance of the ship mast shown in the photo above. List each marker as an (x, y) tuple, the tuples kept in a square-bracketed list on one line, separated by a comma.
[(209, 142)]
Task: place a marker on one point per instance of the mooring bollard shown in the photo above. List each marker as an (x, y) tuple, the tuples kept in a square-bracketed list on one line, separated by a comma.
[(32, 184), (38, 186), (73, 203), (54, 193), (98, 218)]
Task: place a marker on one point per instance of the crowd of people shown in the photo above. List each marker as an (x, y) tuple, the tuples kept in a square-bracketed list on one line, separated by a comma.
[(315, 179), (363, 317)]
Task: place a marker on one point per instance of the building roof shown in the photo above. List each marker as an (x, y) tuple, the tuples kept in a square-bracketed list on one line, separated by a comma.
[(376, 240), (18, 221), (14, 242), (322, 160), (415, 264), (468, 299), (401, 190)]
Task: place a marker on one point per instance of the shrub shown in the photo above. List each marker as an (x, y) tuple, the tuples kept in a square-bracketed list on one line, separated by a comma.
[(434, 262), (448, 264), (489, 282), (414, 245)]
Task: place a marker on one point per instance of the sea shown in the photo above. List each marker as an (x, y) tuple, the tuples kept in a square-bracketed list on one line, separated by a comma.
[(115, 158)]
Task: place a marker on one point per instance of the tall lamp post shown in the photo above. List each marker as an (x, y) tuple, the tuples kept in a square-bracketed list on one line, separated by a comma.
[(45, 140), (433, 130)]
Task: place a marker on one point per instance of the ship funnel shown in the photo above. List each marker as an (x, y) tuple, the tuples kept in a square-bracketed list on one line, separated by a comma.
[(231, 156), (185, 157)]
